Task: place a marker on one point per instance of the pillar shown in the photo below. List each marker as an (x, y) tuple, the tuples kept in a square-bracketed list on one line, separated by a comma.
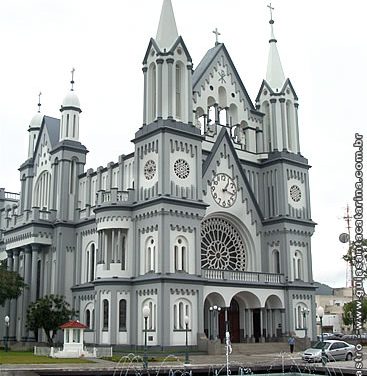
[(27, 281)]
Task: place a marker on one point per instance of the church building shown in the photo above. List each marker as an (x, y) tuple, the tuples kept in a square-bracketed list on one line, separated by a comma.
[(206, 225)]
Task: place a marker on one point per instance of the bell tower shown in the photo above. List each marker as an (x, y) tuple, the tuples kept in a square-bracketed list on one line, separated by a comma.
[(167, 68), (279, 102)]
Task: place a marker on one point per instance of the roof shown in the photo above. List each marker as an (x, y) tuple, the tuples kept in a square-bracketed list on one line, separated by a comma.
[(53, 129), (73, 324), (167, 30), (204, 63)]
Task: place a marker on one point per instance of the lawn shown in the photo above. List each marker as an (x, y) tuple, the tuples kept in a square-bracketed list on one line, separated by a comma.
[(22, 357)]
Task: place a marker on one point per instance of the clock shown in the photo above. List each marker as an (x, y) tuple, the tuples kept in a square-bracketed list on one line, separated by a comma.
[(224, 190), (149, 169)]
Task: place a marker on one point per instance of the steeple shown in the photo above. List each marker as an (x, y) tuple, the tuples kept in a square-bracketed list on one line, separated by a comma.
[(70, 110), (167, 68), (34, 128), (274, 75), (167, 32)]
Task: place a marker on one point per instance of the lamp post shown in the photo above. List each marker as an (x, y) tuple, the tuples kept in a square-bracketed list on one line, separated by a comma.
[(305, 312), (320, 313), (215, 309), (6, 319), (146, 313), (186, 320)]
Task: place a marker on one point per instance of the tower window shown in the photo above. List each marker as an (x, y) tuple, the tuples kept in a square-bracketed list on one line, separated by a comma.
[(122, 315), (105, 315), (178, 91)]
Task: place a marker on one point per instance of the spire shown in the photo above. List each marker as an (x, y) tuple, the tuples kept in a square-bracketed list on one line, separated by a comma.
[(274, 75), (167, 32)]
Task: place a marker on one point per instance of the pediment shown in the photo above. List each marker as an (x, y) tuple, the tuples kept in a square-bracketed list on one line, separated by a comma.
[(216, 70), (223, 159)]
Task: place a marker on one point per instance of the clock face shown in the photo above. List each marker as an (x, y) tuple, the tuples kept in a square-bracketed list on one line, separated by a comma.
[(149, 169), (224, 190)]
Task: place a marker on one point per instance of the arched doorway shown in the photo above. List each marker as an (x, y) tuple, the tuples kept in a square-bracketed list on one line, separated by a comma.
[(233, 319)]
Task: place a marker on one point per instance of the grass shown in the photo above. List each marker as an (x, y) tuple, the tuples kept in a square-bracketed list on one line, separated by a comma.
[(24, 357)]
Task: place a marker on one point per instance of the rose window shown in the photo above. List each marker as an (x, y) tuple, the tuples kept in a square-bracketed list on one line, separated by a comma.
[(149, 169), (295, 193), (222, 246), (181, 168)]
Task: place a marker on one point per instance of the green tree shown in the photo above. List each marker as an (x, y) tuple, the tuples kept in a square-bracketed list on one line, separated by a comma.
[(11, 284), (48, 313), (350, 313), (350, 256)]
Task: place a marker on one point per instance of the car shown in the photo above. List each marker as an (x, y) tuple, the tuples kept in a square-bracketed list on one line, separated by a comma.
[(334, 350)]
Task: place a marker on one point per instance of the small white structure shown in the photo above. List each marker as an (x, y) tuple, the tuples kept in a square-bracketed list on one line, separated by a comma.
[(73, 341)]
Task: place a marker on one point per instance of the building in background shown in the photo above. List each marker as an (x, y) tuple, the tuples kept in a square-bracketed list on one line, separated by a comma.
[(333, 300), (207, 221)]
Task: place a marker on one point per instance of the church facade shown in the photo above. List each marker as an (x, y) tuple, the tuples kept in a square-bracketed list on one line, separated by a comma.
[(207, 223)]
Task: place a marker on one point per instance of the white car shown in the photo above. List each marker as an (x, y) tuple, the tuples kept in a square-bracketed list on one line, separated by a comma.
[(333, 349)]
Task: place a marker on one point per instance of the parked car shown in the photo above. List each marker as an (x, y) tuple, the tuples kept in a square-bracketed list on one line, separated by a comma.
[(334, 350)]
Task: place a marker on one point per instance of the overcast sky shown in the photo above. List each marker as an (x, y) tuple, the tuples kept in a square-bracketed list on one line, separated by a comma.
[(322, 45)]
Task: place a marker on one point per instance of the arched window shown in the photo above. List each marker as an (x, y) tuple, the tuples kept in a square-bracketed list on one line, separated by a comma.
[(297, 265), (181, 309), (181, 254), (276, 261), (179, 74), (150, 250), (74, 125), (122, 315), (290, 124), (41, 194), (151, 322), (90, 262), (267, 127), (88, 318), (105, 314), (67, 126)]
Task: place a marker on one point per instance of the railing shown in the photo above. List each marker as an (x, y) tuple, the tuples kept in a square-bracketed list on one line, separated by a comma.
[(12, 196), (113, 196), (251, 277)]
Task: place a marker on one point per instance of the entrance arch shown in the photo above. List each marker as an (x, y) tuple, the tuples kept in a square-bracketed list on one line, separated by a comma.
[(233, 322)]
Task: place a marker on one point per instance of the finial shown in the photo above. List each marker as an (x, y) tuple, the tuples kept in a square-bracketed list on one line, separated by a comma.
[(72, 79), (39, 102), (272, 37), (271, 12), (217, 33)]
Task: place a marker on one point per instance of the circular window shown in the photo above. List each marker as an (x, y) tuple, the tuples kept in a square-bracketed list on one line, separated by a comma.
[(149, 169), (179, 51), (222, 247), (181, 168), (295, 193)]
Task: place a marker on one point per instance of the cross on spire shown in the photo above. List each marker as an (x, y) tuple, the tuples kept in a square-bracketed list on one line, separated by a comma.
[(271, 11), (217, 33), (39, 102), (72, 79)]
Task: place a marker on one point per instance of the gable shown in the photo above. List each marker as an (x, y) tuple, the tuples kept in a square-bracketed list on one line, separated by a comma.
[(223, 159), (216, 70)]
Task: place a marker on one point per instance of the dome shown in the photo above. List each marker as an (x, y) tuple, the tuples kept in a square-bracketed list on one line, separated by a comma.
[(36, 121), (71, 100)]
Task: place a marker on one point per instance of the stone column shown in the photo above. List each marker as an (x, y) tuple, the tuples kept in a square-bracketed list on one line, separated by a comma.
[(296, 129), (170, 87), (13, 302), (27, 281), (35, 249), (145, 69), (189, 88)]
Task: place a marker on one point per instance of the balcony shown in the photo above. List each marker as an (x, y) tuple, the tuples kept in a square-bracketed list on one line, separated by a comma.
[(112, 197), (239, 276)]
